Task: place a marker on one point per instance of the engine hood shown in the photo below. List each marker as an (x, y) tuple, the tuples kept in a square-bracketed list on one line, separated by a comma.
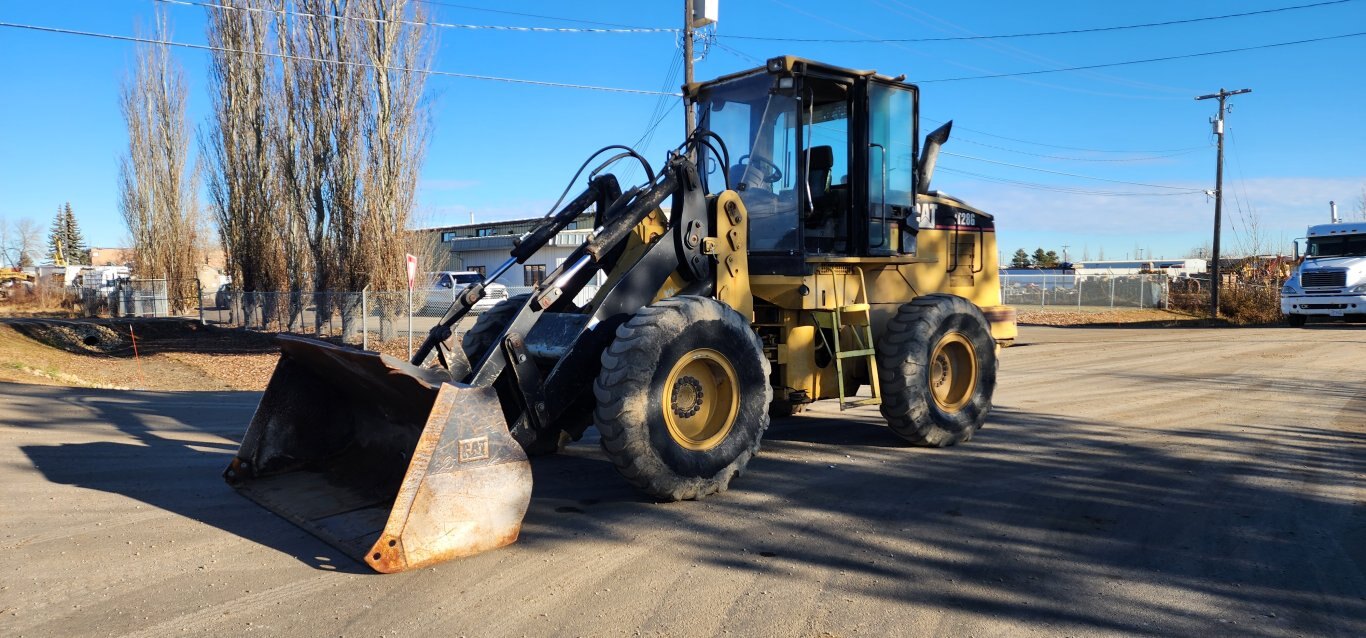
[(1332, 263), (1355, 267)]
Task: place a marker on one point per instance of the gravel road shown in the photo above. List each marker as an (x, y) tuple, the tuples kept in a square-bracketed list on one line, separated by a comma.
[(1130, 481)]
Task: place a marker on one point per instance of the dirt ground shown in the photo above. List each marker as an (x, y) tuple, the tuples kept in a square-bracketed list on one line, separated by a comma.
[(1069, 316), (1137, 481), (170, 354), (159, 354)]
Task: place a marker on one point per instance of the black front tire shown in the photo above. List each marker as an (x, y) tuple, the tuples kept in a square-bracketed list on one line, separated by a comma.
[(937, 368), (477, 341), (683, 363), (1296, 321), (490, 324)]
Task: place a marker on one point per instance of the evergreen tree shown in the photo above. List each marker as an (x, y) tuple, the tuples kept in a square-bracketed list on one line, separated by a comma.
[(1051, 259), (76, 250), (1020, 259), (65, 238), (1040, 258)]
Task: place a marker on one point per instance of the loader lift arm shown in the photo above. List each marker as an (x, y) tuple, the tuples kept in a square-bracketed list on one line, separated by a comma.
[(579, 334), (404, 466)]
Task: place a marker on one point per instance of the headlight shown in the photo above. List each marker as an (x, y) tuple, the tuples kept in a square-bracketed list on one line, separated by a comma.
[(1290, 288), (1359, 290)]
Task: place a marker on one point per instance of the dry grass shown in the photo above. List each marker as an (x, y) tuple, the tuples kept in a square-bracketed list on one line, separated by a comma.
[(171, 355), (1250, 304), (1070, 316), (23, 301), (1239, 303)]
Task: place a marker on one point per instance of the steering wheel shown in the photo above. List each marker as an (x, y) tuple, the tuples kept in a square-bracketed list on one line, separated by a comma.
[(771, 171)]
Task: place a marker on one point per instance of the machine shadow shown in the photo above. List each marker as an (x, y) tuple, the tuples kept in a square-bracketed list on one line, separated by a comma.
[(172, 466), (1039, 508), (1035, 512)]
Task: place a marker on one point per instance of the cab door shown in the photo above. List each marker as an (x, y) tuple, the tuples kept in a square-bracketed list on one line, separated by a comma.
[(891, 161)]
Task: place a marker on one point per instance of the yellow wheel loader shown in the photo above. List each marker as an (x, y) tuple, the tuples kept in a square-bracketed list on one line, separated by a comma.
[(801, 257)]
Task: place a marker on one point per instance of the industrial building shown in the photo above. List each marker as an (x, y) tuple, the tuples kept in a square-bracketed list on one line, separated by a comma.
[(482, 247)]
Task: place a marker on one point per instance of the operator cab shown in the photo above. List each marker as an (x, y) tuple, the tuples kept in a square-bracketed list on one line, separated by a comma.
[(824, 158)]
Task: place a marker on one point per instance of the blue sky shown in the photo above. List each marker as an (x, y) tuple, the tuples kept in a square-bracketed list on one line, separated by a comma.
[(503, 150)]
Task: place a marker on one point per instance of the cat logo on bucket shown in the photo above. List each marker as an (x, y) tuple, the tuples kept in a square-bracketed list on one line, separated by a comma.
[(476, 449)]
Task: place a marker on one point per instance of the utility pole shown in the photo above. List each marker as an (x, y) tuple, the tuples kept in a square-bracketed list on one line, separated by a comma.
[(1065, 260), (696, 13), (1218, 123), (689, 117)]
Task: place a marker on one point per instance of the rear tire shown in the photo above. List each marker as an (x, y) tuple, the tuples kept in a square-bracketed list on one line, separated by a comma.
[(1296, 321), (937, 367), (683, 398)]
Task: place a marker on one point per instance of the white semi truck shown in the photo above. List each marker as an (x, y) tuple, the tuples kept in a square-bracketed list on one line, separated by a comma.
[(1331, 279)]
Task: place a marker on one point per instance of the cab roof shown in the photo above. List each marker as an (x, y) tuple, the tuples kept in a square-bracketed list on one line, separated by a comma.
[(793, 65), (1330, 230)]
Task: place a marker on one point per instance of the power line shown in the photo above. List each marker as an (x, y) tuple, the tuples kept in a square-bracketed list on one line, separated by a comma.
[(1069, 148), (205, 47), (1036, 34), (1082, 159), (524, 15), (1030, 57), (1045, 170), (440, 25), (739, 54), (1144, 61), (1063, 189), (663, 106)]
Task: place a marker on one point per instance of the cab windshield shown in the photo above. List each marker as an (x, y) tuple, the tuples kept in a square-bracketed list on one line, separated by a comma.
[(760, 132), (1340, 246)]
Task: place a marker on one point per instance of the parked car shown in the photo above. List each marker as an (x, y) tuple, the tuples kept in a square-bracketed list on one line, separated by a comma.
[(447, 284), (222, 298)]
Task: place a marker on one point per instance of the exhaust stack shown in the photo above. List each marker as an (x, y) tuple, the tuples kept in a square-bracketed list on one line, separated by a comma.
[(1333, 207), (929, 155)]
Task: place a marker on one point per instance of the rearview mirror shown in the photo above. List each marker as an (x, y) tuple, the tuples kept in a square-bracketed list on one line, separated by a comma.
[(909, 227)]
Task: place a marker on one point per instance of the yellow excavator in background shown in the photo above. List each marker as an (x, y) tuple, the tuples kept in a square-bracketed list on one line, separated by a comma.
[(803, 257)]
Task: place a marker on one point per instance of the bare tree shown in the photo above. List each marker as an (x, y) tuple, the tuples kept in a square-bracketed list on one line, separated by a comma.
[(28, 238), (1252, 236), (8, 256), (318, 141), (1361, 205), (20, 242), (158, 183), (241, 178), (396, 130), (316, 154)]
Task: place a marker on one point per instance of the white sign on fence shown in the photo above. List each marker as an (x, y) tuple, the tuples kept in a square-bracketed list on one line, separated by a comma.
[(412, 270)]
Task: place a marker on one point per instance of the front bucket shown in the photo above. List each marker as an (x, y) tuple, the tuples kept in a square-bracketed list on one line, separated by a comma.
[(381, 459)]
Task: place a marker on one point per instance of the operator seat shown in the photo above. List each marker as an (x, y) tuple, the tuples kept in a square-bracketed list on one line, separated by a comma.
[(824, 203), (818, 171)]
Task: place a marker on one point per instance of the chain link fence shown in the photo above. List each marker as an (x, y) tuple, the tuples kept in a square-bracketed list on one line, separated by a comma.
[(400, 320), (1086, 291), (372, 320)]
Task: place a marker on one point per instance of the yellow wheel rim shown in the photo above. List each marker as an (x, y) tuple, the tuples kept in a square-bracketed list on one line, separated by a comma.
[(701, 399), (953, 372)]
